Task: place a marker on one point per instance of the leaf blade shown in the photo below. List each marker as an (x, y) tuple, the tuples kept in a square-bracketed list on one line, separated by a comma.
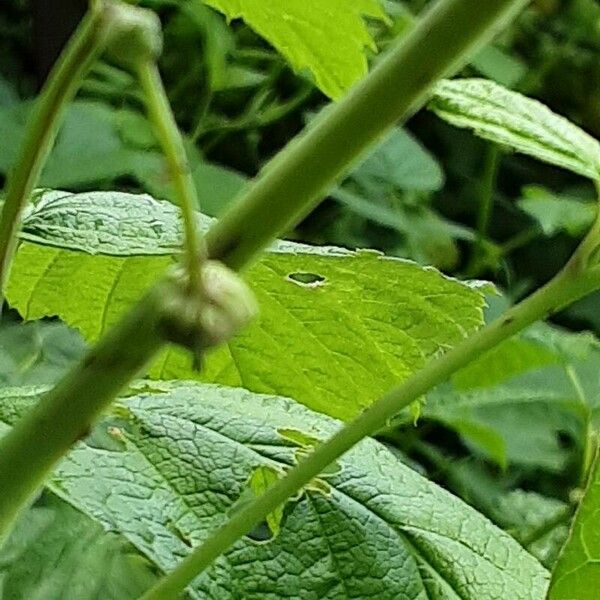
[(312, 341), (523, 124), (381, 530), (327, 37), (577, 573)]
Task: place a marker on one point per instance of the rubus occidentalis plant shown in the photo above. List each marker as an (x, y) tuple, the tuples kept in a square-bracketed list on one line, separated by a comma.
[(201, 303)]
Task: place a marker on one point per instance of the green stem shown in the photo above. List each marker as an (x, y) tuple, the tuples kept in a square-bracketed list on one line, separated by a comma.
[(289, 186), (294, 181), (519, 240), (169, 136), (486, 204), (255, 121), (570, 284), (30, 450), (64, 80)]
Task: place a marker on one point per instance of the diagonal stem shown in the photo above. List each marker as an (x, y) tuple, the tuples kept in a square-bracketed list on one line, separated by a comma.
[(569, 285), (304, 172), (171, 141), (289, 186), (60, 88)]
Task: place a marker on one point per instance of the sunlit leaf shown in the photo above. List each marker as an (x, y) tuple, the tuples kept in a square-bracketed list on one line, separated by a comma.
[(521, 123), (328, 37), (336, 328)]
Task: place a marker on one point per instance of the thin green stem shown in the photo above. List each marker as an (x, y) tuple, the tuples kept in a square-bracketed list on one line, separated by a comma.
[(519, 240), (171, 141), (296, 179), (61, 86), (288, 187), (567, 286), (255, 121), (486, 205)]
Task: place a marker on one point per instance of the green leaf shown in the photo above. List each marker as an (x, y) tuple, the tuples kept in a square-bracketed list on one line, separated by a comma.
[(108, 223), (515, 402), (496, 63), (526, 125), (57, 553), (313, 340), (383, 531), (400, 162), (557, 213), (261, 479), (426, 236), (328, 37), (36, 353), (539, 523), (98, 144), (577, 574)]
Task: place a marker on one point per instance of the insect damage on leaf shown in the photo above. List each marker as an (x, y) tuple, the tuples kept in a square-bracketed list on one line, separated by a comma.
[(309, 280)]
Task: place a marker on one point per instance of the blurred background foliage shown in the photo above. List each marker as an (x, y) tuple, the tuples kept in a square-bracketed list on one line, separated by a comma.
[(428, 192)]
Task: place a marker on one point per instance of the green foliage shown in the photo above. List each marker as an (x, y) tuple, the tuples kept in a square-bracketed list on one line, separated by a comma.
[(555, 213), (523, 124), (36, 353), (312, 340), (57, 553), (515, 402), (577, 574), (184, 453), (328, 37), (511, 434), (99, 145), (399, 162)]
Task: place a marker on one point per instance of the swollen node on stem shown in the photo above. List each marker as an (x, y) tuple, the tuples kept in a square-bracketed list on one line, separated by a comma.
[(31, 449), (567, 286), (136, 37)]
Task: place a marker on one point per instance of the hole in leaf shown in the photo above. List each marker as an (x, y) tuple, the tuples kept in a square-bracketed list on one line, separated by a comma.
[(565, 440), (261, 533), (306, 279), (298, 437)]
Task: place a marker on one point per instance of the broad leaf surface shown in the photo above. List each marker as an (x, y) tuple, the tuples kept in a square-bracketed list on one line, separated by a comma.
[(556, 214), (36, 353), (336, 328), (521, 123), (183, 455), (539, 523), (57, 553), (328, 37), (399, 162), (577, 574), (515, 402)]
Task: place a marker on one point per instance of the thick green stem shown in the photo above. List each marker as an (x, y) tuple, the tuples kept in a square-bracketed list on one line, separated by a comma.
[(30, 450), (569, 285), (293, 182), (166, 128), (64, 80), (288, 187)]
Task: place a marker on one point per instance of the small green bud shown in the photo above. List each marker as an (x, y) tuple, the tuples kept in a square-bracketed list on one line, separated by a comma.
[(135, 34), (224, 305)]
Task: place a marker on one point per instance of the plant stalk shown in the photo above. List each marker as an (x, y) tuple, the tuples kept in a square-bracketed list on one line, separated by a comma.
[(570, 284), (486, 205), (160, 114), (286, 190), (30, 450), (299, 176), (60, 88)]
